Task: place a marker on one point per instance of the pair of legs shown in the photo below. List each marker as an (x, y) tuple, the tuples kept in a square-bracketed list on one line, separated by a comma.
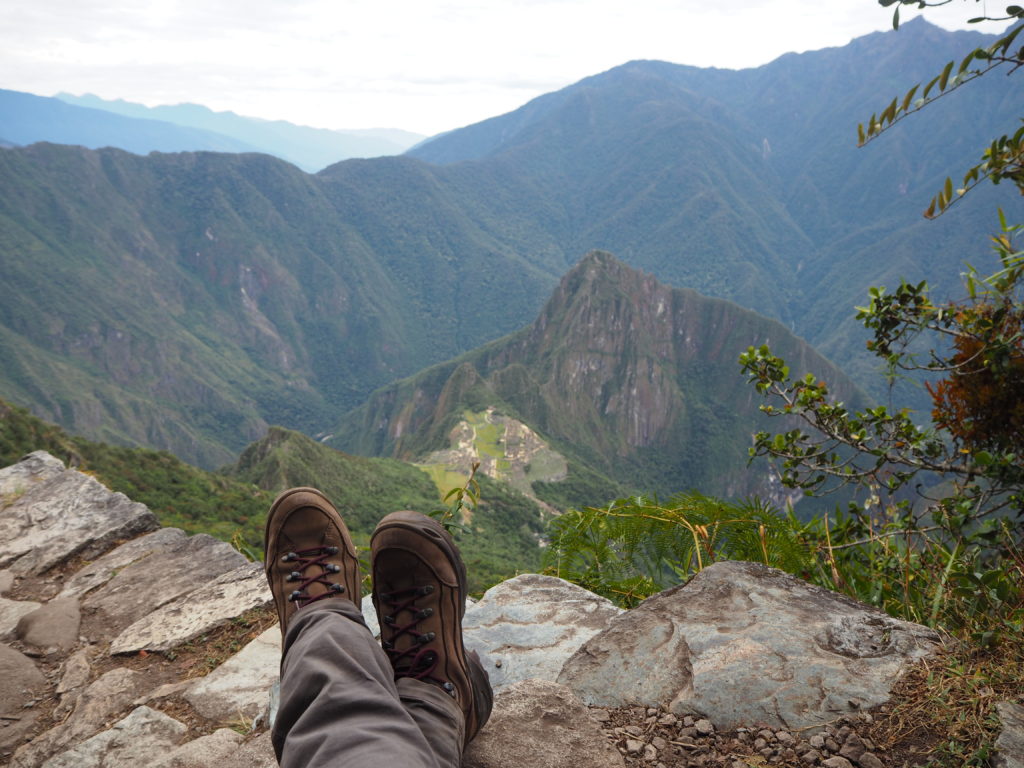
[(414, 700)]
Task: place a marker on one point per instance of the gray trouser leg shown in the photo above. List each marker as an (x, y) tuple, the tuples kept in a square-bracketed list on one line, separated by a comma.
[(340, 705)]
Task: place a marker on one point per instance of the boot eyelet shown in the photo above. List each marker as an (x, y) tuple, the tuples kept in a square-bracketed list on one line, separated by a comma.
[(389, 620), (426, 613), (337, 588), (333, 568), (425, 638), (331, 550), (449, 688), (429, 588), (289, 557), (294, 576), (296, 595)]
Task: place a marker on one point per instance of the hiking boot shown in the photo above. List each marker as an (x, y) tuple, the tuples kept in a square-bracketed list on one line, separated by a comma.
[(309, 553), (419, 591)]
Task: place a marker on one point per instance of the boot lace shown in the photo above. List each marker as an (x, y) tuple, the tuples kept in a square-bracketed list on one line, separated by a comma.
[(417, 661), (308, 558)]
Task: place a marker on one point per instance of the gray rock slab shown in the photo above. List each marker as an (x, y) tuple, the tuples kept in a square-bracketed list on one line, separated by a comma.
[(11, 612), (54, 625), (1010, 742), (21, 683), (158, 577), (108, 695), (35, 468), (370, 615), (538, 723), (191, 615), (742, 643), (75, 672), (222, 749), (68, 514), (103, 569), (528, 626), (238, 688), (6, 581), (141, 738)]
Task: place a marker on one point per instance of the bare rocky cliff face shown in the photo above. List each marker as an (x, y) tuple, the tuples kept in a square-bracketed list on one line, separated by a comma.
[(633, 378), (125, 644)]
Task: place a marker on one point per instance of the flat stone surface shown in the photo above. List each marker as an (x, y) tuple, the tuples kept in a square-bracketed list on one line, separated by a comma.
[(181, 565), (67, 514), (103, 569), (75, 672), (37, 467), (6, 581), (221, 749), (742, 643), (21, 682), (239, 688), (1010, 742), (370, 615), (11, 612), (108, 695), (53, 625), (540, 724), (137, 740), (197, 612), (528, 626)]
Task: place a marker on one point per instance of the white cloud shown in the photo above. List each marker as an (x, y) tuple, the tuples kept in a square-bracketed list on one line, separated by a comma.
[(404, 63)]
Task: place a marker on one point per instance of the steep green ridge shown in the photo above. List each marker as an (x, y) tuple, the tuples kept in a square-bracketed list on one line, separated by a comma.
[(637, 383), (186, 301)]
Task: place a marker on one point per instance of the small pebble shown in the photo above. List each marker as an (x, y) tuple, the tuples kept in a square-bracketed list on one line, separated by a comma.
[(704, 727), (650, 753), (817, 741), (634, 746)]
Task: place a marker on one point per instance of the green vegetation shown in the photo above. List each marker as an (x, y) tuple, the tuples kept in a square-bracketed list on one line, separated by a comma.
[(179, 495), (499, 538)]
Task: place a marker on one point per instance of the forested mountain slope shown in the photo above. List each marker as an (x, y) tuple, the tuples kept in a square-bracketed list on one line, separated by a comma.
[(187, 300), (635, 383)]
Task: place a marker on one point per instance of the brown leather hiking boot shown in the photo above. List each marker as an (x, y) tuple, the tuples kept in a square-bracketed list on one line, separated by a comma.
[(309, 553), (419, 591)]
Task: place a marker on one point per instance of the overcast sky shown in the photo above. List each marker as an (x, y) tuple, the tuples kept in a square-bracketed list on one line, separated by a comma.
[(422, 65)]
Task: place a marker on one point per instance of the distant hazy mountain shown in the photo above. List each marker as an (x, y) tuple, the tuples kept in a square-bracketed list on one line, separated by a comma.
[(631, 380), (26, 119), (309, 148)]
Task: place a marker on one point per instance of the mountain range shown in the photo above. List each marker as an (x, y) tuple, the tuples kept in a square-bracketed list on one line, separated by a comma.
[(189, 300), (93, 122)]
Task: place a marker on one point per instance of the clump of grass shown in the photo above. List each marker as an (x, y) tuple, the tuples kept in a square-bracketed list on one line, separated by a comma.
[(943, 712)]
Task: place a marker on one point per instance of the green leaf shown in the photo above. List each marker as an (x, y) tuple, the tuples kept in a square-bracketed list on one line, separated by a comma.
[(896, 18), (944, 77)]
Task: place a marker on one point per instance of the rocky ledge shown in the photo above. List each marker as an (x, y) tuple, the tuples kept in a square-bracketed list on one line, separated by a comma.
[(124, 644)]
